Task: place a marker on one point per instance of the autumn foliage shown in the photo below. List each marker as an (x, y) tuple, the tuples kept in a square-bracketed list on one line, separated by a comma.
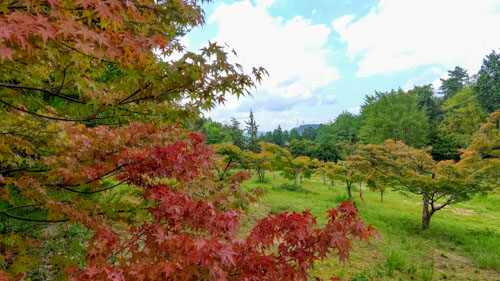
[(94, 96), (191, 231)]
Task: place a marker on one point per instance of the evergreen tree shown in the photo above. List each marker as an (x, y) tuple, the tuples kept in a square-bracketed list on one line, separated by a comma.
[(457, 80), (488, 83), (252, 127), (427, 102), (267, 137), (236, 133), (444, 147), (286, 136), (278, 136)]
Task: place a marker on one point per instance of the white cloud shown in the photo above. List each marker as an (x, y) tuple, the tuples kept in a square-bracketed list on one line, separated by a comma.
[(355, 110), (429, 76), (265, 3), (400, 34), (291, 50)]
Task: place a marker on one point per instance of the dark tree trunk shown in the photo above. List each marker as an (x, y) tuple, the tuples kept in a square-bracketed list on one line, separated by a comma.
[(349, 192), (381, 196), (300, 178), (324, 180), (295, 176), (426, 214)]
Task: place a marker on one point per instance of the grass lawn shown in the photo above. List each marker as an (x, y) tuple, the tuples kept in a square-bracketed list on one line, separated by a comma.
[(463, 242)]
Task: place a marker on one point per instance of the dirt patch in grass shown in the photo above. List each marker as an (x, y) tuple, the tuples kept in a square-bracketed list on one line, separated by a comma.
[(452, 266), (463, 212)]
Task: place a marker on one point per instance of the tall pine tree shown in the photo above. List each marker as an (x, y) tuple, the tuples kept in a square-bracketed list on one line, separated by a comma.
[(251, 128)]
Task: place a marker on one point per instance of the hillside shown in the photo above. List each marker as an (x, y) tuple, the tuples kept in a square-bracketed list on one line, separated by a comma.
[(301, 128)]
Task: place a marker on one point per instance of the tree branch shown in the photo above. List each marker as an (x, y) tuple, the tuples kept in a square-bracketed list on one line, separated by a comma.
[(5, 213), (51, 117), (444, 204), (90, 192), (19, 87), (133, 94), (225, 169)]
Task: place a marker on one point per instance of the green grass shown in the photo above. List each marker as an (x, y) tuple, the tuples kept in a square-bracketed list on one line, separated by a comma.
[(463, 242)]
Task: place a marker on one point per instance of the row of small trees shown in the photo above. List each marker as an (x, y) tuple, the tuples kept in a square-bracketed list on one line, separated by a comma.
[(392, 164)]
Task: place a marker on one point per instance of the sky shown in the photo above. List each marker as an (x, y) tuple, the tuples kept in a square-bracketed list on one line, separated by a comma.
[(325, 56)]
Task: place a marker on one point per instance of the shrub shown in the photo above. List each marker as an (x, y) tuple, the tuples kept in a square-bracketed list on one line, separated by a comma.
[(290, 187), (394, 261)]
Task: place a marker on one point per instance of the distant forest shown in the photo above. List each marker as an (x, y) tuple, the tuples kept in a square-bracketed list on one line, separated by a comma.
[(444, 118)]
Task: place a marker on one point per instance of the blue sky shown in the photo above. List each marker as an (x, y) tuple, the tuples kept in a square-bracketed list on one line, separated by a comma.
[(325, 56)]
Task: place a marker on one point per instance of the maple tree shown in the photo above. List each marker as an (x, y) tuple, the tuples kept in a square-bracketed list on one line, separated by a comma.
[(191, 232), (440, 183), (482, 156), (87, 62), (345, 171), (259, 162), (322, 170), (93, 98), (366, 172), (281, 159)]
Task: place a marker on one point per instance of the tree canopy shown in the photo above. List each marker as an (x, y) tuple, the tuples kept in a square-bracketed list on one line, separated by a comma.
[(394, 115), (488, 82)]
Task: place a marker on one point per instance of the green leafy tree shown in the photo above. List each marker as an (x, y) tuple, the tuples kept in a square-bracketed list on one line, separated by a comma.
[(488, 83), (456, 81), (252, 128), (394, 115), (302, 148), (346, 127), (309, 133), (462, 116), (215, 132), (325, 150), (294, 135)]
